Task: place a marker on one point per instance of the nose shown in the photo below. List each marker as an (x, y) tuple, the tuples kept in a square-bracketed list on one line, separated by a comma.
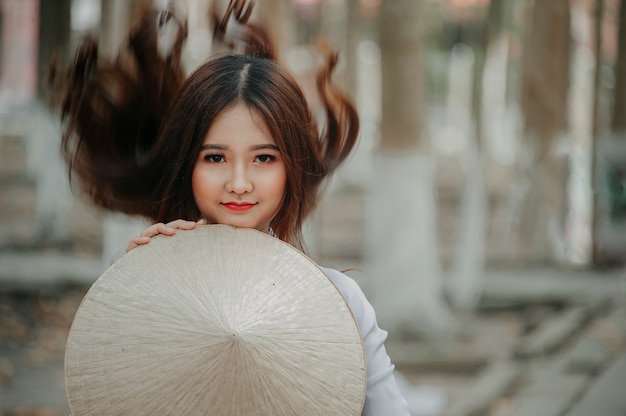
[(239, 181)]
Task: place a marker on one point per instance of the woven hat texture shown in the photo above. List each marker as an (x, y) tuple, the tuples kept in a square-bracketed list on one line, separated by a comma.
[(214, 321)]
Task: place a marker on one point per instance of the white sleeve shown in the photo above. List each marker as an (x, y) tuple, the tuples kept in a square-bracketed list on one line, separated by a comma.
[(383, 397)]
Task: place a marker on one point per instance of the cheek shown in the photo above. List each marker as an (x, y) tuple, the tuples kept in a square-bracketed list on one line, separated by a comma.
[(200, 184), (279, 195), (194, 183), (281, 185)]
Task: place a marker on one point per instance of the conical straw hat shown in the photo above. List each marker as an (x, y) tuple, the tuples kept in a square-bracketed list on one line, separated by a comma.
[(214, 321)]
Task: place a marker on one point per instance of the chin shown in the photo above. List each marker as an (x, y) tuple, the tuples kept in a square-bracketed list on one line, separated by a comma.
[(241, 225)]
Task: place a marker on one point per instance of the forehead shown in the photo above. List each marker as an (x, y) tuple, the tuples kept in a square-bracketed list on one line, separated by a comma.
[(239, 124)]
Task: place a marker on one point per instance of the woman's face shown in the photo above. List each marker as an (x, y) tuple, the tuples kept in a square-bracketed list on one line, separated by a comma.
[(239, 176)]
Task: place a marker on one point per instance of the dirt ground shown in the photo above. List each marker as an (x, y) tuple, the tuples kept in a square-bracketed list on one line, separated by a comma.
[(34, 324)]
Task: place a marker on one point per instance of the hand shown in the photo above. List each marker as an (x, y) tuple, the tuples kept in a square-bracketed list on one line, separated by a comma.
[(160, 228)]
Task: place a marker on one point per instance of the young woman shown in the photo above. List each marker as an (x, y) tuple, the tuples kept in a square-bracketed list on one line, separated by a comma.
[(235, 143)]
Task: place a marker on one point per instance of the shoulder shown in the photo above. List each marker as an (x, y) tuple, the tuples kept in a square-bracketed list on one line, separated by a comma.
[(350, 290), (343, 282), (356, 300)]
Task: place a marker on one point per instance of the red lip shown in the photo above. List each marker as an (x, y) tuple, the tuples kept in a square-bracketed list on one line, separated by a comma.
[(238, 206)]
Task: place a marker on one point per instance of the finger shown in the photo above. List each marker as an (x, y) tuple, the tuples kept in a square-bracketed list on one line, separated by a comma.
[(159, 228), (152, 230), (137, 241), (167, 229), (182, 224)]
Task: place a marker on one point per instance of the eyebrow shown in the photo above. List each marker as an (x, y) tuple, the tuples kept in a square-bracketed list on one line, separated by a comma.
[(255, 147)]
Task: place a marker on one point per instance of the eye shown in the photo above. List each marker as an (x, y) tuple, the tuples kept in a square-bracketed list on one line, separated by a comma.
[(213, 158), (265, 158)]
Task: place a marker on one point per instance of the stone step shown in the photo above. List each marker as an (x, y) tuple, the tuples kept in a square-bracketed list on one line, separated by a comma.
[(18, 190), (18, 211), (554, 333), (547, 391), (489, 385), (413, 357), (25, 269), (338, 226), (18, 197), (13, 155), (65, 223), (606, 396)]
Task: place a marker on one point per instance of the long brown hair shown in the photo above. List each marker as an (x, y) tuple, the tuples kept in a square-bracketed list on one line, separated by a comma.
[(133, 127)]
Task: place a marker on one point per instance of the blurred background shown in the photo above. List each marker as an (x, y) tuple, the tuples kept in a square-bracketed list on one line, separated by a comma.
[(483, 212)]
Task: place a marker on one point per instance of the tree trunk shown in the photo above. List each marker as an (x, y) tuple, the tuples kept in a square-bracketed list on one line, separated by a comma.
[(114, 26), (401, 250), (333, 24), (54, 35), (278, 17), (54, 198), (468, 267), (544, 89), (618, 119), (596, 252), (353, 39), (359, 68), (610, 169), (402, 127)]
